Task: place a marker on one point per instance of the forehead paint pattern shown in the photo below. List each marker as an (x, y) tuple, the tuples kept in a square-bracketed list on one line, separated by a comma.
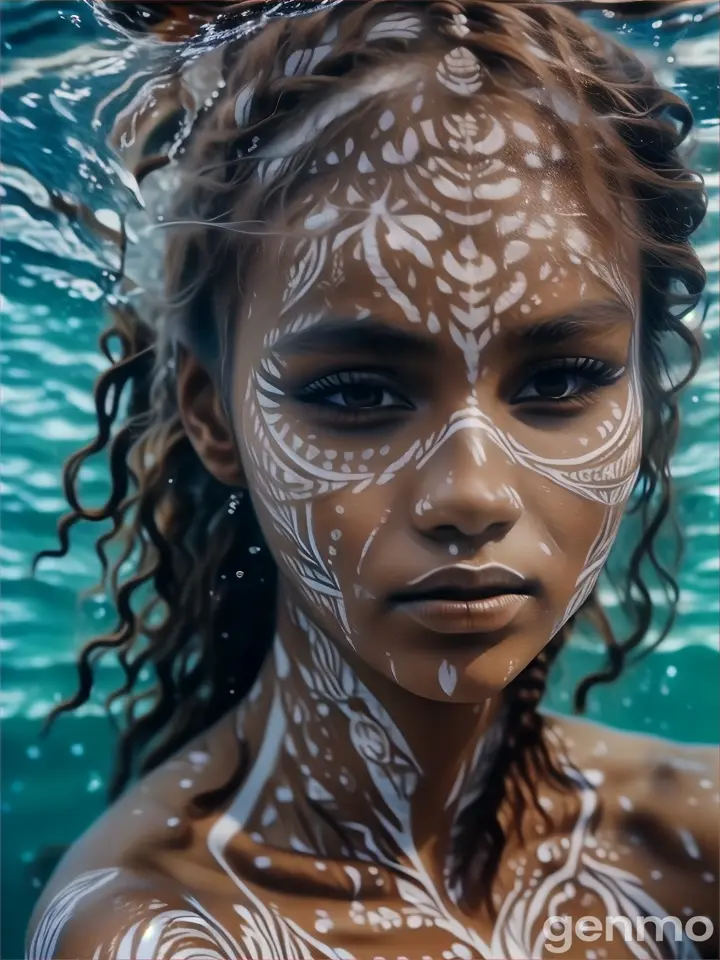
[(451, 167), (555, 873)]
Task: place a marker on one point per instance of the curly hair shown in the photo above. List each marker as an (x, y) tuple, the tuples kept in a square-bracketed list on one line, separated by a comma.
[(176, 606)]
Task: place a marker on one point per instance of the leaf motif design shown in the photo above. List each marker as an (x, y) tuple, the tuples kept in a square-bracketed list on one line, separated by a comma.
[(419, 898)]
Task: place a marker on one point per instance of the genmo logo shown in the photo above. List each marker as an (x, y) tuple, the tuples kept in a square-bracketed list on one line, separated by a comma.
[(562, 932)]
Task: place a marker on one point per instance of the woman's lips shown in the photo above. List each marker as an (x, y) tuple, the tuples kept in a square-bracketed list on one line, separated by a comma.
[(464, 598), (465, 616)]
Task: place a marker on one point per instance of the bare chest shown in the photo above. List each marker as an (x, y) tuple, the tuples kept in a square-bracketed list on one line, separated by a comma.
[(568, 896)]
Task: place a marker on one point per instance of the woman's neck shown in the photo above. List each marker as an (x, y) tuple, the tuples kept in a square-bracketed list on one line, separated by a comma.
[(356, 767)]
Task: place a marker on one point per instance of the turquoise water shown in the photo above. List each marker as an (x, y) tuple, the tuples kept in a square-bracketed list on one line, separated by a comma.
[(58, 67)]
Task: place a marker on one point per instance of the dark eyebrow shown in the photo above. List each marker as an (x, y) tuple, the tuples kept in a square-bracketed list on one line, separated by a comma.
[(383, 339), (371, 335), (594, 317)]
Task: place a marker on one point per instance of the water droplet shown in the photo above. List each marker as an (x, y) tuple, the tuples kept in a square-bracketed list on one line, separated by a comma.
[(94, 783), (239, 574)]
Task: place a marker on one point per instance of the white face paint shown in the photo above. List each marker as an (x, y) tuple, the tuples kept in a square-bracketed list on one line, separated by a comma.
[(435, 220), (431, 226)]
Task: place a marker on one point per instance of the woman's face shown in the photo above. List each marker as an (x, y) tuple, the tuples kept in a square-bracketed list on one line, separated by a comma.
[(436, 397)]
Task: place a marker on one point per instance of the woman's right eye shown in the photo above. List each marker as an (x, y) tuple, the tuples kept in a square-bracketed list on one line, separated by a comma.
[(352, 393)]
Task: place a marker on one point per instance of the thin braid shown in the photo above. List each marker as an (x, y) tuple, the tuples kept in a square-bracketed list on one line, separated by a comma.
[(521, 766)]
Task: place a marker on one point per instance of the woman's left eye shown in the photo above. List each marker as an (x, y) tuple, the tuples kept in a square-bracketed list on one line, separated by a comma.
[(567, 380)]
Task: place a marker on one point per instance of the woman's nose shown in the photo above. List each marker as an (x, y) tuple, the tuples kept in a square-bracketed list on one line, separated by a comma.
[(465, 491)]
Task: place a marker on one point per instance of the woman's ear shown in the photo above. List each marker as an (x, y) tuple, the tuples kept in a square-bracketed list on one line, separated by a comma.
[(206, 423)]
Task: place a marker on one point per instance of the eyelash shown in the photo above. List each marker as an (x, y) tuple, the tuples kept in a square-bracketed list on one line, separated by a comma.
[(319, 391), (596, 374)]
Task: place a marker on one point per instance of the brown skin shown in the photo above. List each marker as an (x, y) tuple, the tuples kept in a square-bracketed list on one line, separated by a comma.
[(166, 863), (161, 850)]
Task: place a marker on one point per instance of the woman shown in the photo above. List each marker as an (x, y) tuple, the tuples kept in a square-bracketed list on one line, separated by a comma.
[(423, 268)]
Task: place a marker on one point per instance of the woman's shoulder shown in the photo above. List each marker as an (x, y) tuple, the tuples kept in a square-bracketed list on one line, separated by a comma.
[(636, 762), (129, 873), (86, 915), (112, 912), (658, 802)]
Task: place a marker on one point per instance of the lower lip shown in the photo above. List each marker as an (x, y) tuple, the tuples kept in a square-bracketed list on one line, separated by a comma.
[(458, 616)]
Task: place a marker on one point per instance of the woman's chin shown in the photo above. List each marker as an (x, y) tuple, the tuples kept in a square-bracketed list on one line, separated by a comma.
[(459, 679)]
